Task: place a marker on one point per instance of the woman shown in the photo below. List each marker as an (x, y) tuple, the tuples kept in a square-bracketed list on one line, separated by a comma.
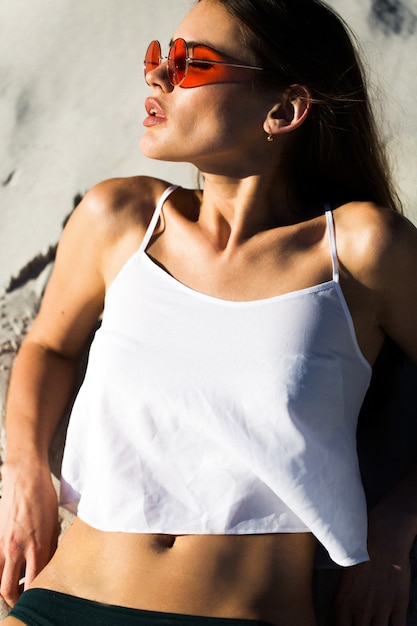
[(212, 444)]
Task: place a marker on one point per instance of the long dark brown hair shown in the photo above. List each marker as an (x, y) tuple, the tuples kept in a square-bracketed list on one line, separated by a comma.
[(340, 157)]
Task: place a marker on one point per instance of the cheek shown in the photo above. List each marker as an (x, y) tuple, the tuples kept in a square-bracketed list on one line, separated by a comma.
[(200, 117), (219, 111), (204, 120)]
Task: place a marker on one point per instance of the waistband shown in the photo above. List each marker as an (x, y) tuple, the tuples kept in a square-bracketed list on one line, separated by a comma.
[(43, 607)]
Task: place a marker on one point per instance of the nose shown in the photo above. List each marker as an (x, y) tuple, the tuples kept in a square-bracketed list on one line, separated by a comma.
[(158, 76)]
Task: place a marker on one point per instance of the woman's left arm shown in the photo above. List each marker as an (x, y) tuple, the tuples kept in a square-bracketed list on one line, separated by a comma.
[(376, 593)]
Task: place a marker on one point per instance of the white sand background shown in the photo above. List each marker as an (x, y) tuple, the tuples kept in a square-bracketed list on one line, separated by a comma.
[(71, 111)]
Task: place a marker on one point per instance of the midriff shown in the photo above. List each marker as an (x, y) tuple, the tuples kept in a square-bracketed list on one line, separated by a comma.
[(264, 577)]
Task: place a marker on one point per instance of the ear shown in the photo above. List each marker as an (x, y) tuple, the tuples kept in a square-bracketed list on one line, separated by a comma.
[(290, 112)]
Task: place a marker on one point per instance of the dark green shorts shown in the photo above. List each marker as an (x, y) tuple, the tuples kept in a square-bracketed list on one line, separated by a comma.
[(41, 607)]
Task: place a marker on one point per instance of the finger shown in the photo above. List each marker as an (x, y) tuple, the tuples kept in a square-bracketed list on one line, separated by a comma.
[(37, 559), (389, 611), (341, 620), (1, 574), (33, 567), (355, 612), (381, 617), (341, 617), (399, 615), (10, 581)]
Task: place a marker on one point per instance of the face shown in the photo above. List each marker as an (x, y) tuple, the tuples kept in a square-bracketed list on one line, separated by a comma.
[(212, 122)]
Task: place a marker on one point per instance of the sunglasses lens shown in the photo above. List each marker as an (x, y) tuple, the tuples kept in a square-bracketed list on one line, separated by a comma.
[(177, 61), (152, 57)]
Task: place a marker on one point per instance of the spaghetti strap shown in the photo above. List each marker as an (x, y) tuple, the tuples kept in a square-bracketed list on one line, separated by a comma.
[(332, 239), (155, 217)]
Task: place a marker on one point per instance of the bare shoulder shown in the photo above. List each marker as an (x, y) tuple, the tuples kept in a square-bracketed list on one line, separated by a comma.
[(102, 232), (377, 250), (110, 222), (372, 239), (118, 203)]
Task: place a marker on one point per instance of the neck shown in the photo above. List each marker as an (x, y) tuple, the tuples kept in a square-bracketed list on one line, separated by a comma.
[(235, 209)]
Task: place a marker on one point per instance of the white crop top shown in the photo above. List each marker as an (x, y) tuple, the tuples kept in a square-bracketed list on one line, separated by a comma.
[(199, 415)]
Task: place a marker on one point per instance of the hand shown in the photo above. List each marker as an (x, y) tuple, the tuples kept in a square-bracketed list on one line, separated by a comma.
[(28, 527), (376, 593)]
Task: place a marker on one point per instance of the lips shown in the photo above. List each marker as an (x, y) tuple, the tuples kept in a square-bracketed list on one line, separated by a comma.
[(155, 112)]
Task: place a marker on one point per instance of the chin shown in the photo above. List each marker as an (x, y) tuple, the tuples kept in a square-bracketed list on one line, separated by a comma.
[(153, 149)]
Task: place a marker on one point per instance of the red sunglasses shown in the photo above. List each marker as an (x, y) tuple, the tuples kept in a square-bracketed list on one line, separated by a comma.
[(195, 71)]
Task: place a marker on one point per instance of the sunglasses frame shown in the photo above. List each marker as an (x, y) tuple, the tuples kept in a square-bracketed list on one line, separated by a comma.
[(188, 60)]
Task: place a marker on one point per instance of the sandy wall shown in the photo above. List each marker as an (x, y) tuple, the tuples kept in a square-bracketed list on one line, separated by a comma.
[(387, 32), (71, 109)]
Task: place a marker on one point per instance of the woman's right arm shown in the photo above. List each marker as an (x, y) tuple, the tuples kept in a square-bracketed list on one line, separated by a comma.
[(41, 385)]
